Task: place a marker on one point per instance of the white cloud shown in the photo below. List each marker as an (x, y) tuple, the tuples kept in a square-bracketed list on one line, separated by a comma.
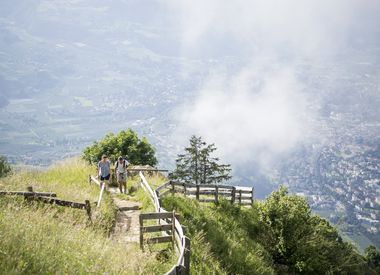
[(261, 110), (249, 115)]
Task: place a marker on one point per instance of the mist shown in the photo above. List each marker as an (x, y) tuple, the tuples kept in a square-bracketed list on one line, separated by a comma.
[(263, 106)]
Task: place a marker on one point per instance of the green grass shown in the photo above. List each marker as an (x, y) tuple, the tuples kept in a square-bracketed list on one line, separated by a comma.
[(69, 180), (221, 236), (37, 238)]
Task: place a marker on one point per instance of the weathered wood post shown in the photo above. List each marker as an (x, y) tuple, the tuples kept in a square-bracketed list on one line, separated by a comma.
[(197, 192), (158, 196), (101, 194), (187, 256), (216, 193), (173, 190), (240, 197), (141, 232), (253, 190), (233, 194), (159, 201), (88, 208), (173, 228)]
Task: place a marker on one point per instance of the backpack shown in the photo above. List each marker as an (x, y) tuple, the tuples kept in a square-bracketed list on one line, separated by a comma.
[(124, 164)]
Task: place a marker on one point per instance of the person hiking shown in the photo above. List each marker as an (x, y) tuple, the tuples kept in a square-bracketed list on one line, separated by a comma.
[(121, 173), (104, 170)]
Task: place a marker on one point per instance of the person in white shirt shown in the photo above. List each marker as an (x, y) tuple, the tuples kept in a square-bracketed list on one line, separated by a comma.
[(104, 171), (121, 173)]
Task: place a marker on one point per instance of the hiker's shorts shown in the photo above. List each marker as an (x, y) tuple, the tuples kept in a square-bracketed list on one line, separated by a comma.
[(105, 178), (121, 177)]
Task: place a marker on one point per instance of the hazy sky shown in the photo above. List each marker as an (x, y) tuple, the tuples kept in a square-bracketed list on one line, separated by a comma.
[(254, 74), (262, 108)]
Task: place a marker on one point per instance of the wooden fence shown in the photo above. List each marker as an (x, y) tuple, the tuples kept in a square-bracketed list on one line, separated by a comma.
[(50, 198), (168, 228), (208, 192), (181, 242)]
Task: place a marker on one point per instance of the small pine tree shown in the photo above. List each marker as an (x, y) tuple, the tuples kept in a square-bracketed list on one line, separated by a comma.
[(197, 165)]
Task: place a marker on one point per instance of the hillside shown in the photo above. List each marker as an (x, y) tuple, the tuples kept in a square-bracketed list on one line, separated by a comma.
[(275, 236), (43, 239)]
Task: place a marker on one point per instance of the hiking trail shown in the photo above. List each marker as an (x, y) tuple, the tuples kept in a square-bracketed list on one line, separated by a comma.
[(127, 228)]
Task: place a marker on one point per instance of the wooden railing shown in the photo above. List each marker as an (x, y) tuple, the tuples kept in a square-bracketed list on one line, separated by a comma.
[(182, 243), (50, 198), (101, 186), (168, 228), (208, 192)]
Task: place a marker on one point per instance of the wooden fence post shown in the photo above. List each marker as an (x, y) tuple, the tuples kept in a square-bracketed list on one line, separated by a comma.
[(141, 232), (184, 188), (187, 255), (233, 194), (240, 197), (253, 190), (197, 192), (158, 197), (101, 194), (88, 208), (173, 229), (216, 193), (172, 183)]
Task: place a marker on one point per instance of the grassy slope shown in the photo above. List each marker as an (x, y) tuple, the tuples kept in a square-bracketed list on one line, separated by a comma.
[(39, 238), (221, 238)]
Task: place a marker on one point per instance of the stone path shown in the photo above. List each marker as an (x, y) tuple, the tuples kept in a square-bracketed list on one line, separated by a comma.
[(127, 227)]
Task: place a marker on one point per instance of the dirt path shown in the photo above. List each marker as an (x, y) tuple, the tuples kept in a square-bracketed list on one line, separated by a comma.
[(127, 227)]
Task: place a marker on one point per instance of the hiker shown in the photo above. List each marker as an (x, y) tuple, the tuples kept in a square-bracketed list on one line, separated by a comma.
[(121, 173), (104, 170)]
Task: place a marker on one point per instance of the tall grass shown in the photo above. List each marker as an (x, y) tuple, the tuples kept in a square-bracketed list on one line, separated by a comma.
[(36, 238), (40, 239), (221, 241)]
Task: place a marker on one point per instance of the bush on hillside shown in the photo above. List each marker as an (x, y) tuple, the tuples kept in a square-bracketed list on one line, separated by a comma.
[(5, 168), (276, 236), (372, 256), (126, 143), (302, 242)]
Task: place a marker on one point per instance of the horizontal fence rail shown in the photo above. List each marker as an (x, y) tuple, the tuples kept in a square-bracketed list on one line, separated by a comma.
[(180, 241), (208, 192), (168, 227), (49, 198), (28, 193)]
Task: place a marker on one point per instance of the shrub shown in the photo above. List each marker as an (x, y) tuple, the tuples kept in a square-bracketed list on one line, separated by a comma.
[(126, 143), (304, 243)]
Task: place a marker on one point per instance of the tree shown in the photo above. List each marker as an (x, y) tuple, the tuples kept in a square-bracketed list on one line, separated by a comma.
[(198, 166), (372, 256), (126, 143), (5, 168), (305, 243)]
